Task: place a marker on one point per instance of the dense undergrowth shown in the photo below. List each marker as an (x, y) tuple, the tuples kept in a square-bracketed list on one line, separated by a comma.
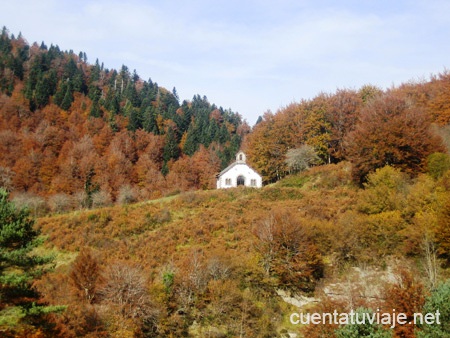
[(209, 263)]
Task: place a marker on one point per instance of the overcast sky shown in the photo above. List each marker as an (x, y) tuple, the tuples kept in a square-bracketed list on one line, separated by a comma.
[(250, 56)]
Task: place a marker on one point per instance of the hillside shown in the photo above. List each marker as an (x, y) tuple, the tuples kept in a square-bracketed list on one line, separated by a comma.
[(77, 134), (118, 172), (369, 127), (214, 260), (73, 133)]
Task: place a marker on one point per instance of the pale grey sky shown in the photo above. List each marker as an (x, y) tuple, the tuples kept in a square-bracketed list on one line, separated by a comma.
[(247, 55)]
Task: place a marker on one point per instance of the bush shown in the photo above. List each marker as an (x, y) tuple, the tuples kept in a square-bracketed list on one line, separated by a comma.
[(300, 159), (385, 190), (288, 252), (126, 195), (101, 199), (6, 178), (60, 202), (35, 204), (438, 164), (363, 330), (81, 199)]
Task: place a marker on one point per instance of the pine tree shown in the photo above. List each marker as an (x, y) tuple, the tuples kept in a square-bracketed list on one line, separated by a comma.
[(135, 119), (95, 110), (19, 266), (95, 93), (45, 87), (68, 98), (171, 150), (192, 142), (70, 69), (60, 93), (132, 95), (149, 120), (437, 301)]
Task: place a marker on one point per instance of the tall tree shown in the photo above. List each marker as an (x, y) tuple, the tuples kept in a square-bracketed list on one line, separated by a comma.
[(191, 143), (171, 149), (316, 129), (266, 147), (68, 98), (343, 115), (390, 132), (19, 266)]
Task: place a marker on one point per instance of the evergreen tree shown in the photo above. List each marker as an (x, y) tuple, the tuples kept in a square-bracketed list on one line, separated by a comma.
[(365, 329), (132, 95), (192, 142), (19, 266), (78, 82), (5, 41), (223, 135), (186, 118), (149, 120), (124, 77), (70, 69), (112, 101), (95, 110), (164, 169), (95, 93), (95, 72), (17, 63), (135, 119), (68, 98), (30, 84), (226, 155), (148, 92), (45, 87), (60, 93), (213, 131), (171, 150), (438, 301), (113, 79), (175, 94), (135, 77)]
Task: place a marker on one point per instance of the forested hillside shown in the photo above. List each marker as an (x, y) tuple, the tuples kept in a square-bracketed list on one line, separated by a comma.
[(75, 134), (369, 127), (228, 263), (79, 134), (109, 226)]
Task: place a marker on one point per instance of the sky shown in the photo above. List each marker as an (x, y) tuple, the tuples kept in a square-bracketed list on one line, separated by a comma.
[(248, 56)]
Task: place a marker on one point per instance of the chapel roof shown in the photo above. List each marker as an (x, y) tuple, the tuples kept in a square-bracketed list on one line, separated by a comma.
[(236, 163)]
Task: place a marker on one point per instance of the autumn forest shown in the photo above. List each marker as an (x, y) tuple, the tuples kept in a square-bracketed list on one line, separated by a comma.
[(110, 224)]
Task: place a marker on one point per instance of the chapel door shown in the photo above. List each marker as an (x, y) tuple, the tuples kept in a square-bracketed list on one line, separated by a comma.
[(240, 180)]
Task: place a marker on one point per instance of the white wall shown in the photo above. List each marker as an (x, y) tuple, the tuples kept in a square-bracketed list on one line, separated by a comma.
[(239, 169)]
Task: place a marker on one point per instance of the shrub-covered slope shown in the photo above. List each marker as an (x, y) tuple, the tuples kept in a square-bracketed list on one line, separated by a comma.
[(211, 262)]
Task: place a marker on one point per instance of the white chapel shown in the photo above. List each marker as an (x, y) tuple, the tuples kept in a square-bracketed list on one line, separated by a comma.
[(239, 173)]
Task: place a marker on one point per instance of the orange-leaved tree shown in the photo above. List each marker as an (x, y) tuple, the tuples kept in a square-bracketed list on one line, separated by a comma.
[(288, 251), (390, 132)]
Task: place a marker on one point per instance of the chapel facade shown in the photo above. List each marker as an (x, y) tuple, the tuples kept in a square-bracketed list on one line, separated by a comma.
[(239, 173)]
